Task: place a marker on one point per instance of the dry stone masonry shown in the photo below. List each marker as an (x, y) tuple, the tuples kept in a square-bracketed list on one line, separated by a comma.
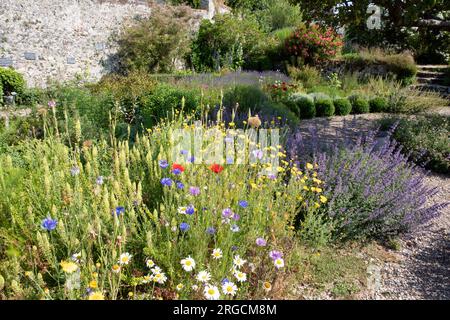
[(60, 39)]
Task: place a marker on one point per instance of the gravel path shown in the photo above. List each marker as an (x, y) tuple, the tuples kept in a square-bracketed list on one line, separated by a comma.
[(421, 268)]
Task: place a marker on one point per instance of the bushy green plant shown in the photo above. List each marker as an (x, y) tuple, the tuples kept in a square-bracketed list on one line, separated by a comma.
[(163, 99), (343, 106), (324, 107), (378, 104), (426, 141), (154, 44), (309, 76), (248, 97), (230, 42), (305, 104), (359, 104), (11, 81), (278, 15)]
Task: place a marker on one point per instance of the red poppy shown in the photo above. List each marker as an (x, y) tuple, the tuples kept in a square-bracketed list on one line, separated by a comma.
[(178, 166), (216, 168)]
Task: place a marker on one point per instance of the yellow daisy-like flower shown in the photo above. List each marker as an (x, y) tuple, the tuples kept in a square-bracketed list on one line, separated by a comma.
[(305, 188), (93, 284), (316, 205), (69, 266), (180, 286), (97, 295), (309, 166), (323, 199), (116, 268)]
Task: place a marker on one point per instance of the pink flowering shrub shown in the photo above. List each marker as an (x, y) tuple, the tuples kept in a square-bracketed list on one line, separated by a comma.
[(313, 44)]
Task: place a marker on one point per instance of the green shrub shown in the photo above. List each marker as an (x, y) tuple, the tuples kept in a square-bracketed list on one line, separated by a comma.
[(274, 110), (425, 140), (324, 107), (378, 104), (305, 105), (164, 98), (154, 44), (278, 15), (359, 104), (342, 106), (230, 42), (307, 75), (248, 98), (11, 81)]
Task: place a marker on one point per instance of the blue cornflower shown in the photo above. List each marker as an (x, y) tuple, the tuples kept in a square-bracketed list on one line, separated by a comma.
[(184, 226), (119, 211), (176, 171), (225, 280), (236, 217), (243, 203), (163, 164), (234, 248), (191, 159), (183, 152), (211, 231), (180, 185), (190, 210), (166, 182), (49, 224)]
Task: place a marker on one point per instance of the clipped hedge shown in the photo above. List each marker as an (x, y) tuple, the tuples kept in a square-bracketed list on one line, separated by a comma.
[(359, 104), (342, 106), (378, 104), (324, 107)]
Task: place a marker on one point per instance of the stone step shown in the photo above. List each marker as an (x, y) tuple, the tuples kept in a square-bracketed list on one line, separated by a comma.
[(442, 90), (441, 67), (431, 74), (431, 80)]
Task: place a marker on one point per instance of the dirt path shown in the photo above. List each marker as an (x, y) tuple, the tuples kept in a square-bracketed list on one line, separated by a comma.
[(421, 268)]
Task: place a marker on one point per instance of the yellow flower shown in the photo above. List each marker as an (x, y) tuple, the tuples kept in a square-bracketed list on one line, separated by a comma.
[(98, 265), (305, 188), (68, 266), (309, 166), (323, 199), (317, 205), (130, 294), (28, 273), (180, 286), (116, 268), (97, 295), (93, 284)]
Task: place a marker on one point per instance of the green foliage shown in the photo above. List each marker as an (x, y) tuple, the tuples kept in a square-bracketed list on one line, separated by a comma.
[(324, 107), (305, 104), (343, 106), (278, 15), (315, 230), (154, 44), (163, 99), (378, 104), (11, 81), (426, 139), (359, 104), (309, 76), (230, 42)]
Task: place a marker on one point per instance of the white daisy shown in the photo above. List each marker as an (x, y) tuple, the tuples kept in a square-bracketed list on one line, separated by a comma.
[(180, 286), (146, 279), (159, 277), (212, 293), (238, 261), (279, 263), (203, 276), (188, 264), (182, 210), (229, 288), (150, 264), (217, 253), (124, 258), (155, 270), (240, 276), (194, 287)]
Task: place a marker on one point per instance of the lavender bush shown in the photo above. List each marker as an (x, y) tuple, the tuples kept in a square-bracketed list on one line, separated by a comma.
[(373, 191)]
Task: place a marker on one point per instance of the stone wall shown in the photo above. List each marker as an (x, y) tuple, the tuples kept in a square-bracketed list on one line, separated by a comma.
[(59, 39)]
